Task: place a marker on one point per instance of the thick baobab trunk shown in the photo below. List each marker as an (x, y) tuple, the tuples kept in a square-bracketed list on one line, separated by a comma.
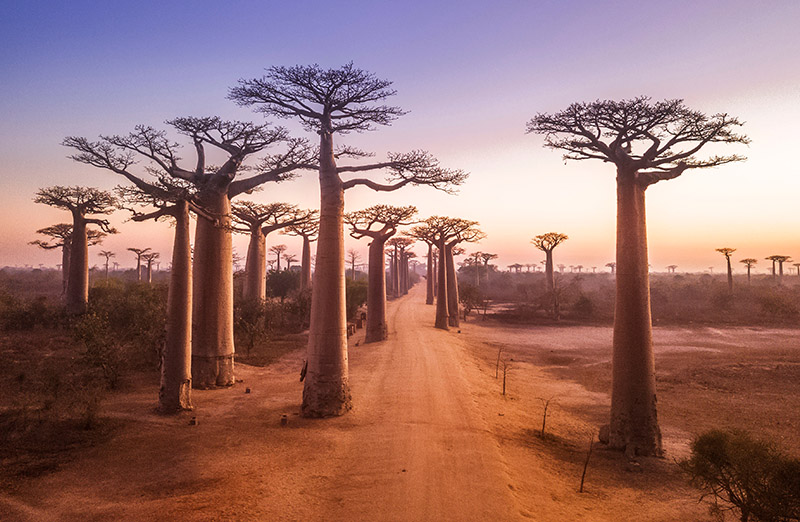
[(77, 298), (429, 277), (149, 273), (376, 294), (255, 267), (327, 391), (403, 273), (441, 294), (395, 264), (66, 253), (730, 274), (305, 265), (435, 274), (175, 393), (634, 421), (139, 267), (748, 274), (452, 288), (548, 270), (212, 317)]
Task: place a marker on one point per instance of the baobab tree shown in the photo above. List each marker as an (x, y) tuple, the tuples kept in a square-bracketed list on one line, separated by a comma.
[(379, 223), (647, 143), (214, 187), (163, 197), (289, 258), (82, 203), (140, 252), (149, 258), (612, 266), (671, 268), (780, 260), (108, 254), (61, 237), (278, 250), (308, 230), (749, 262), (259, 221), (399, 246), (329, 102), (725, 251), (797, 267), (428, 236), (353, 257), (547, 243), (442, 231)]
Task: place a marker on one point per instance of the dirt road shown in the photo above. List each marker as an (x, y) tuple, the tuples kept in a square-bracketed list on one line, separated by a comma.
[(415, 447)]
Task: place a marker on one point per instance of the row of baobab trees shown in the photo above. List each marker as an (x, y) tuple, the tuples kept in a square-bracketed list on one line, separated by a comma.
[(647, 142)]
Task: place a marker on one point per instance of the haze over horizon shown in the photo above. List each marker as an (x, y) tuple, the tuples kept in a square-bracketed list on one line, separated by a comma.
[(469, 73)]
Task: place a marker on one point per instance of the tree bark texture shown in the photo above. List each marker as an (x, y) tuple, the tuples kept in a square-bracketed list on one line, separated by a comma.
[(255, 267), (730, 274), (327, 391), (66, 254), (376, 329), (452, 288), (77, 298), (634, 422), (212, 319), (175, 393), (441, 294), (305, 265), (548, 270), (429, 277)]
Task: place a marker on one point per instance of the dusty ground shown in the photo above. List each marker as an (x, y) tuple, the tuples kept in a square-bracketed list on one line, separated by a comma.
[(430, 437)]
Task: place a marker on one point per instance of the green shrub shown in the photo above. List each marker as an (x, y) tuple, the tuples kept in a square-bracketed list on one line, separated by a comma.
[(743, 474), (281, 282), (136, 313), (356, 295)]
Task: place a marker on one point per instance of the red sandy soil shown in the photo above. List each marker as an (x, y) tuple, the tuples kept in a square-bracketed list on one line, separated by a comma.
[(430, 437)]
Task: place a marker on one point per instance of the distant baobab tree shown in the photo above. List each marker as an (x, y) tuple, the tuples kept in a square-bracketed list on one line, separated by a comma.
[(214, 187), (442, 231), (779, 260), (399, 245), (308, 230), (469, 234), (594, 269), (379, 223), (578, 268), (612, 266), (139, 253), (547, 243), (561, 268), (429, 237), (749, 262), (329, 102), (486, 256), (797, 266), (670, 268), (149, 258), (278, 250), (647, 142), (108, 254), (353, 257), (81, 202), (726, 251), (61, 236), (516, 267), (259, 221), (289, 258)]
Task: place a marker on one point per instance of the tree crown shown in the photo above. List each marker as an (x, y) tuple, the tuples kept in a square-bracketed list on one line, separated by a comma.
[(325, 100), (379, 220), (547, 242), (726, 251), (658, 140)]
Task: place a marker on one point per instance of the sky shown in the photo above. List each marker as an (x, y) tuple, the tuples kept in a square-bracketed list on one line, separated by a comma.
[(469, 73)]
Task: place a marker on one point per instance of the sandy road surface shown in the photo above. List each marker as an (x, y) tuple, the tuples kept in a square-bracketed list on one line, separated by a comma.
[(415, 447)]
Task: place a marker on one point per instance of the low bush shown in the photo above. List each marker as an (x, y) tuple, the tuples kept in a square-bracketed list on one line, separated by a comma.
[(740, 473)]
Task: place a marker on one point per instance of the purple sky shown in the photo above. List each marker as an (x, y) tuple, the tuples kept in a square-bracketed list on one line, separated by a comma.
[(470, 73)]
